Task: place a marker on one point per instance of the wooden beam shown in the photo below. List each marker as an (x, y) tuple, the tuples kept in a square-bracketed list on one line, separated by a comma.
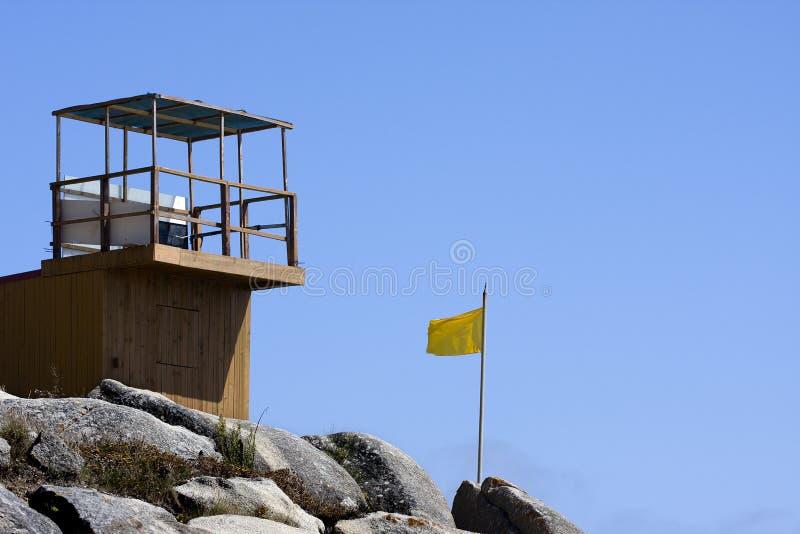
[(56, 196), (96, 177), (249, 187), (291, 234), (190, 165), (244, 243), (154, 197), (105, 205), (177, 120), (125, 164), (224, 193), (120, 127)]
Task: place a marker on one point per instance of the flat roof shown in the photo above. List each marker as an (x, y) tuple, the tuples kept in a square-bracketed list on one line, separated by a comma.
[(178, 118)]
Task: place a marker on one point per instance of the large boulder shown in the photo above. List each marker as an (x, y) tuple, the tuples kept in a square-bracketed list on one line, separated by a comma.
[(156, 405), (500, 506), (52, 454), (472, 511), (90, 511), (5, 395), (91, 420), (238, 524), (386, 523), (244, 496), (325, 489), (17, 518), (390, 479)]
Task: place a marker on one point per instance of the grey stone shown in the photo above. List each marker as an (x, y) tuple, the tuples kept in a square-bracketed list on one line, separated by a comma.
[(386, 523), (52, 454), (245, 496), (390, 479), (5, 395), (5, 453), (17, 518), (156, 405), (239, 524), (499, 506), (91, 420), (328, 491), (472, 511), (528, 514), (86, 510)]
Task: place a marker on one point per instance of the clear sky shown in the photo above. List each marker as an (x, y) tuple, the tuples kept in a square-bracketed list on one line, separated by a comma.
[(636, 161)]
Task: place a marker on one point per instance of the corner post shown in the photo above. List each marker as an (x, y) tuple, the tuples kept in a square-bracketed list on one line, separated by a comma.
[(125, 164), (193, 227), (244, 242), (289, 209), (105, 202), (224, 192), (56, 193), (154, 196)]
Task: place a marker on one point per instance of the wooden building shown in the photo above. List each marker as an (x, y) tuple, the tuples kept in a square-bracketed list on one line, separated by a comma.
[(132, 292)]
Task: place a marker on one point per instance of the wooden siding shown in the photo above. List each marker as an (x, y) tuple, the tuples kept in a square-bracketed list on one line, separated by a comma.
[(184, 337), (181, 335), (49, 334)]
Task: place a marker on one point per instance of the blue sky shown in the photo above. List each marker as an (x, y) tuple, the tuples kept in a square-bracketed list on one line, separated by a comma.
[(639, 158)]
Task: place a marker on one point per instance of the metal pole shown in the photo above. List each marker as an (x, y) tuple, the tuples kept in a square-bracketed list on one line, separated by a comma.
[(483, 371)]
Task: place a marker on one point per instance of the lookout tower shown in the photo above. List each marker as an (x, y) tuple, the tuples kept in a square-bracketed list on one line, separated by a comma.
[(146, 284)]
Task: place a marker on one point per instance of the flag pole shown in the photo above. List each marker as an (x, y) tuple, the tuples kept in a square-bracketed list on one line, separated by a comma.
[(483, 370)]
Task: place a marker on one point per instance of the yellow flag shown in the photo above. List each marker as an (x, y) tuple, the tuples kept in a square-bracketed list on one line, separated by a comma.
[(457, 335)]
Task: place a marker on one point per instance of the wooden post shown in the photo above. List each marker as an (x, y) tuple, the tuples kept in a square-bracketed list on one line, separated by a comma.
[(193, 227), (244, 242), (105, 205), (154, 197), (291, 250), (224, 192), (125, 164), (56, 193), (291, 232)]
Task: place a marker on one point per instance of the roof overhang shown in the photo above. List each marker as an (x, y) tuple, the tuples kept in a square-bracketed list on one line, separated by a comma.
[(177, 118)]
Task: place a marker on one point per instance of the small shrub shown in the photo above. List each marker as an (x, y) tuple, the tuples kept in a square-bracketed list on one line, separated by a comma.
[(16, 432), (233, 447), (134, 469)]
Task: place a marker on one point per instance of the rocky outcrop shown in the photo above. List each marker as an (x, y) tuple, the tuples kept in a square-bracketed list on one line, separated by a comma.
[(386, 523), (390, 479), (499, 506), (4, 395), (17, 518), (329, 492), (52, 454), (156, 405), (472, 511), (90, 511), (5, 453), (91, 420), (241, 524), (244, 496)]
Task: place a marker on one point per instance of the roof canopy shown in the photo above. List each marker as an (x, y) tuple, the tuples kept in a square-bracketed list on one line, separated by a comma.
[(180, 119)]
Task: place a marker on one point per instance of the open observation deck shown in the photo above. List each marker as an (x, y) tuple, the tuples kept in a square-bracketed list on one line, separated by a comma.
[(103, 216)]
